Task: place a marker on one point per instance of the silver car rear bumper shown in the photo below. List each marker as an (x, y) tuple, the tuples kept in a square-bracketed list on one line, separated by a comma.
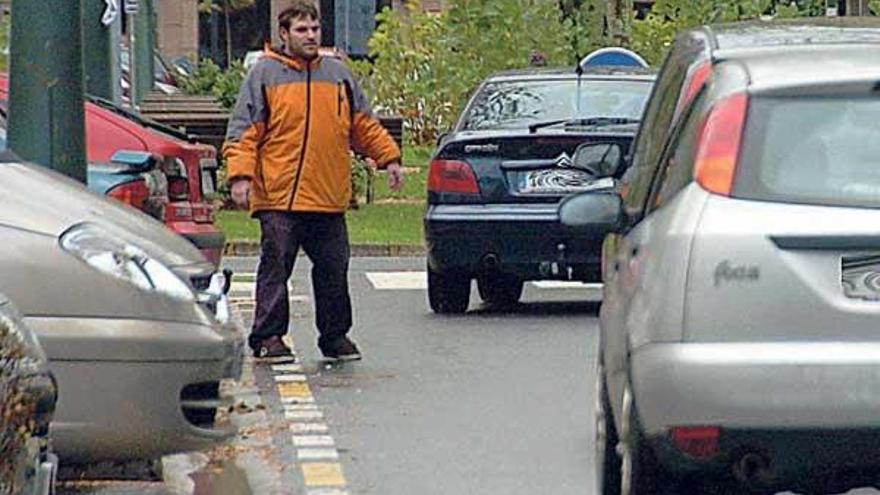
[(757, 385)]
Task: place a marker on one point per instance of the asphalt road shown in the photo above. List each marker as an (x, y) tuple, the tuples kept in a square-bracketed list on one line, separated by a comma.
[(486, 402), (482, 403)]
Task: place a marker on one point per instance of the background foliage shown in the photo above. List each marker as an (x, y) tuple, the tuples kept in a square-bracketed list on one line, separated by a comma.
[(424, 66), (652, 35), (209, 79)]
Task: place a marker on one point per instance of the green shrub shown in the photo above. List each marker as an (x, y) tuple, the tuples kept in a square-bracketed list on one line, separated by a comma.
[(424, 66), (653, 35), (209, 79)]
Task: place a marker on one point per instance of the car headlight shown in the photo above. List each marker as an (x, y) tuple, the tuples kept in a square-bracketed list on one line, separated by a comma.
[(124, 260)]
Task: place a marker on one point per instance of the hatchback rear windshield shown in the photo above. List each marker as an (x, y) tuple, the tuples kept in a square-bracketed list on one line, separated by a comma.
[(512, 104), (813, 150)]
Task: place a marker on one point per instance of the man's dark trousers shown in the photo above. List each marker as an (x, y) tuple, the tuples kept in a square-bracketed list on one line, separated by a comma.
[(324, 238)]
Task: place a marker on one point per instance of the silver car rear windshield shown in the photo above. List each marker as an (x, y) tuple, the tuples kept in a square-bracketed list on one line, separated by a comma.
[(813, 150), (517, 104)]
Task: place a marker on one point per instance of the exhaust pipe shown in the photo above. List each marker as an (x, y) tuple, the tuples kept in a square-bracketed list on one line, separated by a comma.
[(490, 262), (753, 470)]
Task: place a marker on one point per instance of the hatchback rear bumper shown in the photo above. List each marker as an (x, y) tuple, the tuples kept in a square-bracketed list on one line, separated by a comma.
[(524, 240), (757, 385)]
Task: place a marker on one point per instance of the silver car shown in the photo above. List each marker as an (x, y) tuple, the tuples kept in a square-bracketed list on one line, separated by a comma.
[(739, 330), (136, 333)]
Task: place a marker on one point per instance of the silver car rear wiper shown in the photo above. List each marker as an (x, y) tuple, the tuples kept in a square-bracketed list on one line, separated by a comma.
[(584, 122)]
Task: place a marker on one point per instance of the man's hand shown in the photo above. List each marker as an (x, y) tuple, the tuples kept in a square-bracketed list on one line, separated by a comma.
[(241, 192), (395, 176)]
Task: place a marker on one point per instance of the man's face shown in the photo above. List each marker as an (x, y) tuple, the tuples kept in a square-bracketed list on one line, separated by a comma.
[(303, 38)]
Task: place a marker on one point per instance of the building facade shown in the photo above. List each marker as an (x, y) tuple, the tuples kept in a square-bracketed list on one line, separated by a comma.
[(177, 27)]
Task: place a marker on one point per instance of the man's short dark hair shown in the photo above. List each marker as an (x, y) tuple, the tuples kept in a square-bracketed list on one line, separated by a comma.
[(297, 9)]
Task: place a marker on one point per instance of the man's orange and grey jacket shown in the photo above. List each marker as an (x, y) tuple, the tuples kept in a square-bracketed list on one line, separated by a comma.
[(292, 130)]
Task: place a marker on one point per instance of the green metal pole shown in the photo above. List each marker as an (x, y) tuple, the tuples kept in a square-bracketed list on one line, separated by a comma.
[(46, 122), (143, 50), (97, 50)]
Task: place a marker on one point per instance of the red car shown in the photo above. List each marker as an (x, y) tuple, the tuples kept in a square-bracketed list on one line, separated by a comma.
[(190, 167)]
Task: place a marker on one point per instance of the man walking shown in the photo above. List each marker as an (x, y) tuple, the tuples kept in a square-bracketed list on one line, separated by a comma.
[(288, 156)]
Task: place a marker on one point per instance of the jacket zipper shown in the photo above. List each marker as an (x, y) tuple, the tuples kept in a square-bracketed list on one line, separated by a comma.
[(305, 142), (339, 99)]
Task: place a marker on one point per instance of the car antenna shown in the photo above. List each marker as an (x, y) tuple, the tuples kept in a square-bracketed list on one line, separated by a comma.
[(580, 72)]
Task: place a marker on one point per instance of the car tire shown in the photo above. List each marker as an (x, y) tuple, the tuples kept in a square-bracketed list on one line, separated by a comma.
[(448, 293), (606, 459), (640, 472), (500, 290)]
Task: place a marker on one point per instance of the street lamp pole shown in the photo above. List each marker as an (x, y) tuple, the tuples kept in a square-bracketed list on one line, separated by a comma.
[(141, 45), (46, 117), (98, 22)]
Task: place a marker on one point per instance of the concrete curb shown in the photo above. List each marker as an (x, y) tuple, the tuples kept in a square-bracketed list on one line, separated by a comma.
[(358, 250)]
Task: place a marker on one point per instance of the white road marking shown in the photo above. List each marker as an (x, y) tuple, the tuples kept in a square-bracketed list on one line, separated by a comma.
[(316, 454), (290, 378), (398, 280), (303, 415), (416, 280), (564, 285), (301, 428), (313, 441), (245, 287), (287, 368), (300, 407), (308, 433)]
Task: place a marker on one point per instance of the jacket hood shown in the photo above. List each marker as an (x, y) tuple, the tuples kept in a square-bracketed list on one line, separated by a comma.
[(277, 53), (37, 199)]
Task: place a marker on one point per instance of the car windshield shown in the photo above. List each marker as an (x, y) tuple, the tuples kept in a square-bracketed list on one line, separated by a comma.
[(518, 104), (815, 150)]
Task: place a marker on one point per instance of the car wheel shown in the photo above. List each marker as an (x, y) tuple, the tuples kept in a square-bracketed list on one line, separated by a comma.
[(500, 289), (640, 473), (448, 293), (607, 460)]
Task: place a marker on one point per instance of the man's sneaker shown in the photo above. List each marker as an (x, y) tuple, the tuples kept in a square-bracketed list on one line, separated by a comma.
[(342, 349), (272, 347)]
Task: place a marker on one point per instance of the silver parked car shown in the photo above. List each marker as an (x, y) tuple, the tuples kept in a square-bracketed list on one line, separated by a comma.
[(130, 315), (739, 332)]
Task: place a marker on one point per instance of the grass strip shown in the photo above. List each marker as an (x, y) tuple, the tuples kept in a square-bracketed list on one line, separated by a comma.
[(375, 224)]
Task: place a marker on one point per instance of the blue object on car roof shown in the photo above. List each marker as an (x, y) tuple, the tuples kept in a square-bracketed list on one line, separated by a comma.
[(613, 56)]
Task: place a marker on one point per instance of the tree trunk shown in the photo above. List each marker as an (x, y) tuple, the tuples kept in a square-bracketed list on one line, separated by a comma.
[(619, 14), (856, 7), (228, 33)]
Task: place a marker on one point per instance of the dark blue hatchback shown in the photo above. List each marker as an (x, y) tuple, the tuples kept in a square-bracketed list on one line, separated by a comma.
[(526, 140)]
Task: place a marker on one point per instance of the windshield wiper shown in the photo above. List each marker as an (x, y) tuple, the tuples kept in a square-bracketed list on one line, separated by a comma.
[(584, 122)]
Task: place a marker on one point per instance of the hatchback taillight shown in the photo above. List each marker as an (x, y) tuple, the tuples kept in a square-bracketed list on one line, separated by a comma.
[(202, 213), (718, 144), (700, 442), (134, 193), (178, 188), (452, 176), (178, 212)]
